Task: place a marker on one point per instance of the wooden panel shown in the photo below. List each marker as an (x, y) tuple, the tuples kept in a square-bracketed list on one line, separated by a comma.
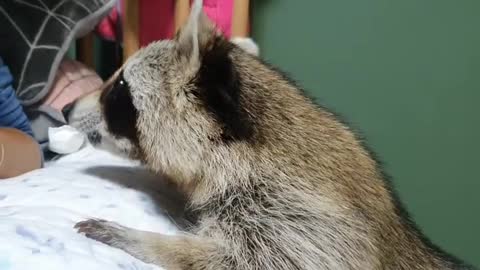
[(182, 9), (240, 18), (130, 28), (85, 50)]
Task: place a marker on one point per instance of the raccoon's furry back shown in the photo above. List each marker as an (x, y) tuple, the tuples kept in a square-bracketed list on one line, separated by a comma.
[(313, 196)]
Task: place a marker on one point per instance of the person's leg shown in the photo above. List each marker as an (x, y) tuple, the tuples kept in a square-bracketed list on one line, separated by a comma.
[(19, 153)]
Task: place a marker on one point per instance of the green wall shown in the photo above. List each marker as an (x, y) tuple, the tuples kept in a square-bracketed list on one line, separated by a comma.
[(406, 73)]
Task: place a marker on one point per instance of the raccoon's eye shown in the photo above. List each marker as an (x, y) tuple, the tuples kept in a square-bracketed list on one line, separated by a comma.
[(119, 87), (119, 111), (122, 83)]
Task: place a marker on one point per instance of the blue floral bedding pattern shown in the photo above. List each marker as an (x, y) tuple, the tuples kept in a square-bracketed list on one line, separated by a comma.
[(38, 211)]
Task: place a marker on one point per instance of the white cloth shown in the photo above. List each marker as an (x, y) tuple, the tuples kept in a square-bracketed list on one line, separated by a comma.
[(247, 44), (65, 139), (39, 209)]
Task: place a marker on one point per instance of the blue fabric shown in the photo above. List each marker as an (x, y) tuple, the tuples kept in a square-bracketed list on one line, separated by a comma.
[(11, 111)]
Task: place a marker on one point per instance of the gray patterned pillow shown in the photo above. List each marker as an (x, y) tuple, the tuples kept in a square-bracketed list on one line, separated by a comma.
[(35, 34)]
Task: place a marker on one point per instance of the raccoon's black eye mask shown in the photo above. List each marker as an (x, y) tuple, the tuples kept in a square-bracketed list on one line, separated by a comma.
[(119, 112)]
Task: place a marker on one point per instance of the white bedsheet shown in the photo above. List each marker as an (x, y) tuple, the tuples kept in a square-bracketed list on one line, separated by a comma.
[(39, 209)]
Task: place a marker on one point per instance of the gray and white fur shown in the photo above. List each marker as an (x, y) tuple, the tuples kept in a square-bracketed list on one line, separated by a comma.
[(273, 180)]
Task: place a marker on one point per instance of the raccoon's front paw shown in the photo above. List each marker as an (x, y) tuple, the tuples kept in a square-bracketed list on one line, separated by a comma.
[(109, 233), (117, 236)]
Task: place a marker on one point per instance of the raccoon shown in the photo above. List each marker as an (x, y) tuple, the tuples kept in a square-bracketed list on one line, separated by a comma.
[(273, 180)]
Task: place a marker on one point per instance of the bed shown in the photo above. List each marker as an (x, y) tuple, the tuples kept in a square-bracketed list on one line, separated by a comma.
[(39, 209)]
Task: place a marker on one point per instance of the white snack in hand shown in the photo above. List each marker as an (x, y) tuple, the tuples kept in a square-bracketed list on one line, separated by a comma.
[(65, 139)]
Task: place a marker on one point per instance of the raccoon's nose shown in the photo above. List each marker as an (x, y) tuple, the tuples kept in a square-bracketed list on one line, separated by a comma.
[(66, 110), (94, 137)]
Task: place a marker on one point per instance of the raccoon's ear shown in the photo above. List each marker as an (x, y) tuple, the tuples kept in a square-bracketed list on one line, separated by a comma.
[(195, 35)]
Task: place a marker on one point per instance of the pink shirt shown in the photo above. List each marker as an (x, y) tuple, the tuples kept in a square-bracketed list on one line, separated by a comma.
[(221, 12)]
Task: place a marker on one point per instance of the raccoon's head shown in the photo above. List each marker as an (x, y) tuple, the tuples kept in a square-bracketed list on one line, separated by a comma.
[(172, 102)]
